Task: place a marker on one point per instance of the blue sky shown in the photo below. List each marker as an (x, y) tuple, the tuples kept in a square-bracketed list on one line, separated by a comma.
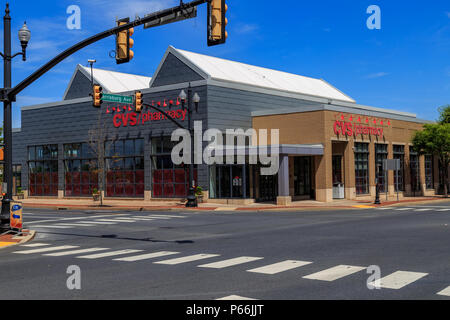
[(404, 66)]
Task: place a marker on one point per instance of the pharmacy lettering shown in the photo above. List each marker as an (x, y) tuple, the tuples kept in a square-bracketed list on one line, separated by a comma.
[(135, 119), (350, 129)]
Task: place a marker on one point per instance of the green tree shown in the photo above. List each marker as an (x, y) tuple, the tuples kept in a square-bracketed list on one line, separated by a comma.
[(435, 140), (445, 114)]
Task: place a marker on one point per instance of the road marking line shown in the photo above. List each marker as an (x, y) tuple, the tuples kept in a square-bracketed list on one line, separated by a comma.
[(443, 210), (422, 210), (96, 222), (445, 292), (73, 252), (110, 220), (108, 254), (79, 218), (146, 256), (51, 227), (35, 245), (6, 244), (74, 225), (46, 249), (165, 216), (399, 279), (225, 209), (187, 259), (280, 267), (384, 208), (234, 298), (403, 209), (143, 219), (229, 262), (334, 273)]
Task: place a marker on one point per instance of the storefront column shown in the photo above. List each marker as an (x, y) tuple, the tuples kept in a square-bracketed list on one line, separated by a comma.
[(283, 198), (61, 173), (349, 172), (323, 174)]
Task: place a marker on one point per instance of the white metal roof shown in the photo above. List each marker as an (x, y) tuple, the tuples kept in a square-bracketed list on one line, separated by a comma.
[(231, 71), (111, 81)]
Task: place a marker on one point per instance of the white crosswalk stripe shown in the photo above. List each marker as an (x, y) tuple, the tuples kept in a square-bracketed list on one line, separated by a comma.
[(187, 259), (280, 267), (46, 249), (422, 210), (166, 216), (74, 252), (74, 225), (334, 273), (234, 298), (443, 210), (109, 254), (50, 227), (445, 292), (111, 220), (229, 262), (146, 256), (35, 245), (399, 279), (97, 223), (403, 209)]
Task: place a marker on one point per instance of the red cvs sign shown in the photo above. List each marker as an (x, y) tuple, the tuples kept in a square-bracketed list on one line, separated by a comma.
[(350, 129)]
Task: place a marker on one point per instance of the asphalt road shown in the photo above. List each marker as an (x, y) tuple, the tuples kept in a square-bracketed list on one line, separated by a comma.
[(208, 256)]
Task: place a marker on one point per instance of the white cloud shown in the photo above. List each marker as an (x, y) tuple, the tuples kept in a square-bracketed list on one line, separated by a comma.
[(246, 28), (448, 14), (377, 75)]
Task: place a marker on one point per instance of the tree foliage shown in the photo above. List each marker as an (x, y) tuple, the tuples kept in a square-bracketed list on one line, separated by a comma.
[(435, 140)]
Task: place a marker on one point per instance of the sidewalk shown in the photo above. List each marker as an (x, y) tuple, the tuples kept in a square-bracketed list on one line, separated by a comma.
[(10, 239), (140, 205)]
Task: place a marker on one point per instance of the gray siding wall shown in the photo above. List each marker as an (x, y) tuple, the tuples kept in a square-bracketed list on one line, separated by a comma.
[(70, 124), (174, 71), (80, 88)]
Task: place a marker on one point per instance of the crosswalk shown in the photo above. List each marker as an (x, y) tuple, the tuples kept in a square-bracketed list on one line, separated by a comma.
[(394, 281), (99, 221)]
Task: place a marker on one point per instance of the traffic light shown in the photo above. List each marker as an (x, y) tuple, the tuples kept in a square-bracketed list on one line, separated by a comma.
[(97, 96), (124, 43), (217, 22), (138, 101)]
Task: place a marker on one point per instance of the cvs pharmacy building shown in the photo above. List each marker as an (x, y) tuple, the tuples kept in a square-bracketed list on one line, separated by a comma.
[(328, 143)]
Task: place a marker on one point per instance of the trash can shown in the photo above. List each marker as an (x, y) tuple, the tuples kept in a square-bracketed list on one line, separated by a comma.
[(338, 191)]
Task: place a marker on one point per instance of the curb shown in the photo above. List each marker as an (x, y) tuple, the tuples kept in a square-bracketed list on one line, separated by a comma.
[(239, 209), (28, 238)]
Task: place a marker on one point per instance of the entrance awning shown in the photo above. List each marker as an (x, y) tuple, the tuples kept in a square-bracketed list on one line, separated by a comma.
[(282, 149)]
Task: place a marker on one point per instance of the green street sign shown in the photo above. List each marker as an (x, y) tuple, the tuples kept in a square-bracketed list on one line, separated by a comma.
[(117, 98)]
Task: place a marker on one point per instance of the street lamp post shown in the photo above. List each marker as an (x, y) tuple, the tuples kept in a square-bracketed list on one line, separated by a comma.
[(191, 199), (24, 37), (377, 188)]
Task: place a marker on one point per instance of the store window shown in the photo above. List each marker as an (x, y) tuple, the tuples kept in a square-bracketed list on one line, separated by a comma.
[(362, 168), (80, 170), (229, 181), (168, 180), (125, 168), (429, 170), (415, 170), (381, 154), (17, 178), (399, 178), (43, 170)]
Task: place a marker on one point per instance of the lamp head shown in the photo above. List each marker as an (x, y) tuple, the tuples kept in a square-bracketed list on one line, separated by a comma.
[(24, 35)]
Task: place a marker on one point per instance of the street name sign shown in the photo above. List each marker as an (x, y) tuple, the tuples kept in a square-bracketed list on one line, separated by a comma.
[(117, 98)]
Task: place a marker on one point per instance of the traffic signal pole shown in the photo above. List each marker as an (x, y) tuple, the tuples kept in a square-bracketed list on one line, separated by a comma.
[(8, 94), (7, 122)]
